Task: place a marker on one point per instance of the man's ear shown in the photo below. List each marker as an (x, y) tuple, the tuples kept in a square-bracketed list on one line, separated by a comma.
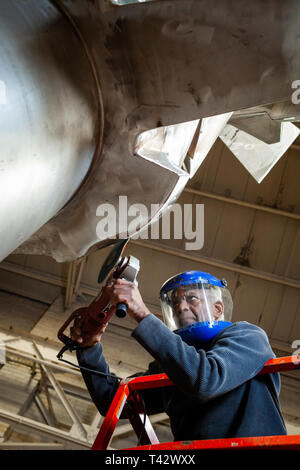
[(218, 309)]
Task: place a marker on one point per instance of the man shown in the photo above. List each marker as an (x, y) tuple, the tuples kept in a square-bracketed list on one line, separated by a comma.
[(213, 363)]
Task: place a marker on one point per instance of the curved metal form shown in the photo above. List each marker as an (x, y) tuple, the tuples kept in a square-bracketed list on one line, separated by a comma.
[(49, 117), (161, 63)]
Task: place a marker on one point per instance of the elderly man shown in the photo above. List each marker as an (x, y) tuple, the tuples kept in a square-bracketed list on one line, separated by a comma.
[(213, 363)]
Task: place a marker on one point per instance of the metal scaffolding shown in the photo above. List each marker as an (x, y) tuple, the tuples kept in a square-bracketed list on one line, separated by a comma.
[(80, 435)]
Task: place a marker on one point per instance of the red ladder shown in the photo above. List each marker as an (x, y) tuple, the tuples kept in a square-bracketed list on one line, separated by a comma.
[(128, 391)]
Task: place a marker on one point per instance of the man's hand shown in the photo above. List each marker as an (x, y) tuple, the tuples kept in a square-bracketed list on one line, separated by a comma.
[(119, 291), (76, 334), (127, 292)]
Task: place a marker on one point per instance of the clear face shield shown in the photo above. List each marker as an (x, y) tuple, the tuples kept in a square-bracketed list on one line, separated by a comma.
[(193, 299)]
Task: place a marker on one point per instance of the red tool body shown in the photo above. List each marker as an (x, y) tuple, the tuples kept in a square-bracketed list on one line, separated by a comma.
[(99, 312), (93, 317)]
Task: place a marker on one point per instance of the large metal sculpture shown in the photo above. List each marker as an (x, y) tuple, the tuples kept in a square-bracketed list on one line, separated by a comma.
[(105, 98)]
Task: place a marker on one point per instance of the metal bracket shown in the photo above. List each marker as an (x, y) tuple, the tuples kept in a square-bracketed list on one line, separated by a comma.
[(122, 3)]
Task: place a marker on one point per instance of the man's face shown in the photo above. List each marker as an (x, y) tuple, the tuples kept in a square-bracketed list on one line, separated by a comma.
[(193, 305)]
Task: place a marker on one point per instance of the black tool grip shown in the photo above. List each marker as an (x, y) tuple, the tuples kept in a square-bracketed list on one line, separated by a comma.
[(121, 310)]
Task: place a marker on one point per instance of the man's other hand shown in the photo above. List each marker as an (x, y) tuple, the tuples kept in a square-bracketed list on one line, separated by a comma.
[(76, 334), (128, 293)]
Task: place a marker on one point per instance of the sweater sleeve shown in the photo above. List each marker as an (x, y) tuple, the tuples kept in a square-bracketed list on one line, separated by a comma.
[(102, 388), (238, 354)]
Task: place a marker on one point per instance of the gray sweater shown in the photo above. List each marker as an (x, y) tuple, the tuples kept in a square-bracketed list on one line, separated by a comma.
[(217, 392)]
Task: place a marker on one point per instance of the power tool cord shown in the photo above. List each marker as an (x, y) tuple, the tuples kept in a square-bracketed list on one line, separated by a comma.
[(91, 370), (114, 377)]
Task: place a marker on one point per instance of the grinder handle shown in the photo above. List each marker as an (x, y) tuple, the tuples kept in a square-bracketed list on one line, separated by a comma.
[(121, 310), (65, 339)]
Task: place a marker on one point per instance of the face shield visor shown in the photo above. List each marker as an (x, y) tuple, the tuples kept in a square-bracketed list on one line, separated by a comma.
[(192, 305)]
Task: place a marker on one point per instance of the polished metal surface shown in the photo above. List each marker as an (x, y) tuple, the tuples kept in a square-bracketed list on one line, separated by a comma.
[(48, 117), (159, 64)]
